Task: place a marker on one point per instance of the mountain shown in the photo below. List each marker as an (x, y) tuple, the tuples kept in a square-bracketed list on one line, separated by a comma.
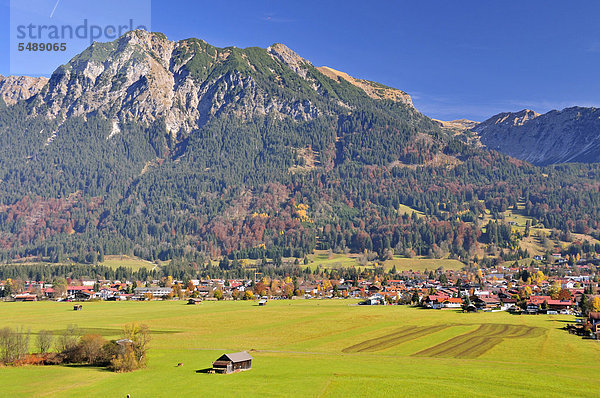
[(570, 135), (187, 152), (186, 83), (18, 88)]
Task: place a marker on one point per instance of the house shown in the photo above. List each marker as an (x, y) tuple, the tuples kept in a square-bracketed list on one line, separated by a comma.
[(26, 297), (594, 320), (435, 301), (235, 362), (453, 302), (79, 292), (556, 305), (486, 302), (373, 300), (140, 292)]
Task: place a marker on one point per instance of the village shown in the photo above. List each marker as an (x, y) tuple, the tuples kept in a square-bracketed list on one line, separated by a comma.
[(515, 288)]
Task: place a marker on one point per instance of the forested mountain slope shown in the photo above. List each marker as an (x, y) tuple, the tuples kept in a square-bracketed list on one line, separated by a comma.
[(183, 150)]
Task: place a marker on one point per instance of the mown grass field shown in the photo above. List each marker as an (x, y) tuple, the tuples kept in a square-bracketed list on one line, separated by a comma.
[(134, 263), (422, 264), (316, 348), (323, 259)]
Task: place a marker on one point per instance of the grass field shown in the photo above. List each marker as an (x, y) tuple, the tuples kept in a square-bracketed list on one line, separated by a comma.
[(409, 210), (315, 348), (323, 259), (422, 264), (128, 262)]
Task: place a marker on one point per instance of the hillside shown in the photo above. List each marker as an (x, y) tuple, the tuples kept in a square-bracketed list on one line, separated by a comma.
[(182, 150), (570, 135)]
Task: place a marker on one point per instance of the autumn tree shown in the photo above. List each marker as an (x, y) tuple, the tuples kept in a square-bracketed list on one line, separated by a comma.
[(595, 304), (45, 340), (134, 347), (91, 346), (218, 294), (554, 290), (564, 295)]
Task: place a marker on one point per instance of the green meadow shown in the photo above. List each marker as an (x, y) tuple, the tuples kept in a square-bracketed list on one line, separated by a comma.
[(116, 261), (314, 348), (323, 259)]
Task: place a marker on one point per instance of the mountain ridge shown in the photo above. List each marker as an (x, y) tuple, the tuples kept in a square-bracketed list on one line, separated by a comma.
[(569, 135), (150, 77)]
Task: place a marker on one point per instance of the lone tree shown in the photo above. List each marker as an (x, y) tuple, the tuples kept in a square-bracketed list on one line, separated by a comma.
[(45, 340), (133, 348), (14, 345)]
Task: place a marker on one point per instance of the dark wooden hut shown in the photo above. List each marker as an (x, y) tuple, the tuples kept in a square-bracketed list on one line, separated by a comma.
[(229, 363)]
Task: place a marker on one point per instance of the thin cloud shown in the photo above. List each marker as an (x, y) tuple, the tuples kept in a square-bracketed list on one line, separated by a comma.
[(274, 18), (593, 47)]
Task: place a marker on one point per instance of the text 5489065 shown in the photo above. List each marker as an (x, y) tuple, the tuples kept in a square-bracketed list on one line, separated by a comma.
[(41, 47)]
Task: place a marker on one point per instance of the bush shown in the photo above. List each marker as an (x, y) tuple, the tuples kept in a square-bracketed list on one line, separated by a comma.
[(91, 347), (125, 361)]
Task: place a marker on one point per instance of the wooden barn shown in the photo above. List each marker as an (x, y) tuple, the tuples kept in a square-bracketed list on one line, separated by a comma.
[(235, 362)]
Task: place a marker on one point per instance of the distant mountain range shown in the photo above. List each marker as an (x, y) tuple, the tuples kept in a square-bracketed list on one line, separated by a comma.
[(570, 135)]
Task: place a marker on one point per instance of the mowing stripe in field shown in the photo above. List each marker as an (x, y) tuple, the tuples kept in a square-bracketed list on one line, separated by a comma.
[(479, 341), (393, 339)]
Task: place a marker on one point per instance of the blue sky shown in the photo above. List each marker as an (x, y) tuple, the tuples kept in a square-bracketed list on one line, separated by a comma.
[(456, 58)]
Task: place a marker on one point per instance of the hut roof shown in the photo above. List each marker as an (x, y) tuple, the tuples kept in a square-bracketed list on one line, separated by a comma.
[(237, 357)]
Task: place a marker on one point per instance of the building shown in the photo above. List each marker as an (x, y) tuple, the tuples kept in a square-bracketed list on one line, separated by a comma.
[(235, 362), (156, 292), (26, 297)]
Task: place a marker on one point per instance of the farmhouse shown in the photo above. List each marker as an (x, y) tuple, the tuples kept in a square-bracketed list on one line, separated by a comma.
[(235, 362), (453, 302), (487, 302)]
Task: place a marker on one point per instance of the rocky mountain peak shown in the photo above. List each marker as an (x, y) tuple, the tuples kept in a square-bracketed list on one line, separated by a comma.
[(516, 118), (289, 58), (18, 88)]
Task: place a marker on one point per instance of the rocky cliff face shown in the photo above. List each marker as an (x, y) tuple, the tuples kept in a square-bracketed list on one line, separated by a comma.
[(17, 88), (570, 135), (143, 77)]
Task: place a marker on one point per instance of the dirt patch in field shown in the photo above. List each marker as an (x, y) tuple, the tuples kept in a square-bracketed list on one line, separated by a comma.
[(479, 341), (393, 339)]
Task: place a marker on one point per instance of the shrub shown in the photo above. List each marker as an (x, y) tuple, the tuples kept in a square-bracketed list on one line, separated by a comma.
[(125, 361), (91, 348)]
